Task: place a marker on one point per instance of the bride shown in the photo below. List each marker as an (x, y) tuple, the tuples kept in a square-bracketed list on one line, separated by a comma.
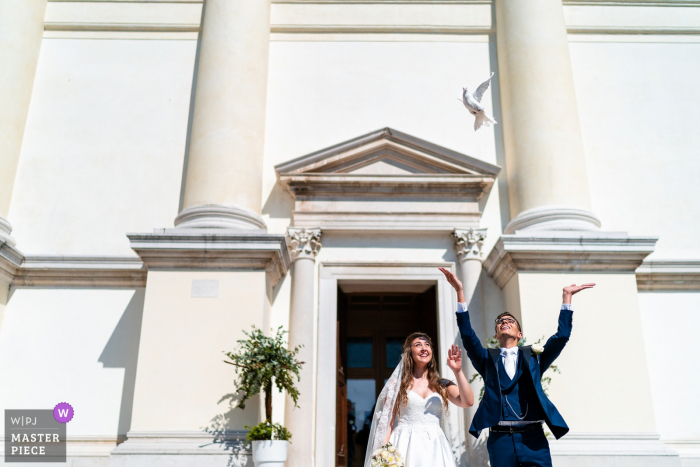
[(410, 409)]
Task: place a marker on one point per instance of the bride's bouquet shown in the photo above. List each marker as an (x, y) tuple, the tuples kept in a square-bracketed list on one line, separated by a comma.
[(387, 456)]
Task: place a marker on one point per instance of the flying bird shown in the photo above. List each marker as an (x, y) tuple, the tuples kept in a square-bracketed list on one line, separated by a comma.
[(472, 101)]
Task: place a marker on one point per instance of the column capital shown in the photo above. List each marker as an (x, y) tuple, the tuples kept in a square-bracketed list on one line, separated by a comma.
[(303, 243), (468, 243)]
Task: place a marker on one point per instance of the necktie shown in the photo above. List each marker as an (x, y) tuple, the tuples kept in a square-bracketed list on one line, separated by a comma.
[(509, 358)]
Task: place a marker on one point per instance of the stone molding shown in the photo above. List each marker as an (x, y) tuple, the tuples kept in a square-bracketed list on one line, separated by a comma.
[(469, 243), (687, 448), (669, 275), (303, 243), (181, 443), (5, 231), (10, 261), (566, 252), (175, 249), (331, 159), (624, 446), (80, 271), (19, 270), (556, 218), (384, 181), (219, 216), (383, 222)]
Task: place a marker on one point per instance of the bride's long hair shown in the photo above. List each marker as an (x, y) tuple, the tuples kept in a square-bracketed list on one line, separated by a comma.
[(434, 381)]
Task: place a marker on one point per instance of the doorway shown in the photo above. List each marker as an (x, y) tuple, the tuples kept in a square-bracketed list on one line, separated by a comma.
[(372, 328)]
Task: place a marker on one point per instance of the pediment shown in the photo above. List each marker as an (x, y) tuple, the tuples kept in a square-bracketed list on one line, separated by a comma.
[(386, 153), (387, 180)]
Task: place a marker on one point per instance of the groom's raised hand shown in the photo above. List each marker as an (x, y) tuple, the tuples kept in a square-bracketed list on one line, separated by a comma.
[(455, 283), (572, 289)]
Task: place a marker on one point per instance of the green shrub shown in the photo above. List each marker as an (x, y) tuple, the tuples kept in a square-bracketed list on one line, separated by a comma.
[(266, 431)]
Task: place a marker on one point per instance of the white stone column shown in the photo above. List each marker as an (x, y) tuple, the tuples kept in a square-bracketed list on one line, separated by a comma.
[(224, 172), (21, 30), (547, 182), (304, 245), (468, 244)]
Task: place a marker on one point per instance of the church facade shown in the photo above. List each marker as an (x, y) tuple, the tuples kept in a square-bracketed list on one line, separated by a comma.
[(174, 172)]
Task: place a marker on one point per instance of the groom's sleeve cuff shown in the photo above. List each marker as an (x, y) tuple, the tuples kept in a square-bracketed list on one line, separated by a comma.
[(461, 307), (566, 306)]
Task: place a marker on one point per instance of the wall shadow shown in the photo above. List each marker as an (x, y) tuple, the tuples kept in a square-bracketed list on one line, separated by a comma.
[(225, 433), (122, 351), (280, 204)]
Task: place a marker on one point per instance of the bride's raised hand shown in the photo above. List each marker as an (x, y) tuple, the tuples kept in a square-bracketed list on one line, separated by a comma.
[(454, 358)]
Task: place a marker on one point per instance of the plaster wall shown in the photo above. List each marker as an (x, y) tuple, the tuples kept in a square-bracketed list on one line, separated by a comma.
[(104, 144), (182, 382), (72, 345), (637, 98), (666, 317)]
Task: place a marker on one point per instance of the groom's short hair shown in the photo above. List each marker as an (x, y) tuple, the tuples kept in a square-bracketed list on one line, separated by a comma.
[(506, 313)]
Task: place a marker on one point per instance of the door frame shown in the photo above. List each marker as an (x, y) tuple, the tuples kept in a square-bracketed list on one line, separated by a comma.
[(330, 273)]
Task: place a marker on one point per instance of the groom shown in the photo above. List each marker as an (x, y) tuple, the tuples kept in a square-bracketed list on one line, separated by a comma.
[(514, 405)]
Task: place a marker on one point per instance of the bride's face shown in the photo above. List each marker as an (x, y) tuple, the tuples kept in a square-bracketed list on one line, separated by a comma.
[(421, 351)]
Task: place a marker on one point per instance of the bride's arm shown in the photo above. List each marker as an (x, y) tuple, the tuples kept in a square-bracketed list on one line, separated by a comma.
[(460, 395), (391, 422)]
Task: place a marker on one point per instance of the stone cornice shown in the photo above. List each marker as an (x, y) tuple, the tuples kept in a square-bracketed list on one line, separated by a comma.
[(213, 250), (19, 270), (669, 275), (81, 271), (378, 141), (389, 186), (566, 252), (386, 181), (10, 261)]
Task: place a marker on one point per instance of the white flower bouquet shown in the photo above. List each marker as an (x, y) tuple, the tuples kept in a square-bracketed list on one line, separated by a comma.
[(387, 456)]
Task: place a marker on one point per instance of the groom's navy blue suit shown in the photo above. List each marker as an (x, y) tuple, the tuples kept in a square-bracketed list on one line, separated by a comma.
[(520, 399)]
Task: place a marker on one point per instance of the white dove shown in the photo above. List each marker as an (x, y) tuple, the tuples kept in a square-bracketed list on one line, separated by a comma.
[(472, 101)]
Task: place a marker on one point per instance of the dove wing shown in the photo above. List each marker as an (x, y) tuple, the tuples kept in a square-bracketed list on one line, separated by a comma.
[(482, 88)]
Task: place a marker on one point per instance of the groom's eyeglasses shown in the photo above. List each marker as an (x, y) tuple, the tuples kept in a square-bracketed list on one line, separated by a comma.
[(505, 321)]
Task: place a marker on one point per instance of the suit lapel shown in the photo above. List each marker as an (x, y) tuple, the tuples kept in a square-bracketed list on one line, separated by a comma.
[(526, 352), (495, 355)]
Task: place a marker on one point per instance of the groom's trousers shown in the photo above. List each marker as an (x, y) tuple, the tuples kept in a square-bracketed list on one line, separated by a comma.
[(528, 449)]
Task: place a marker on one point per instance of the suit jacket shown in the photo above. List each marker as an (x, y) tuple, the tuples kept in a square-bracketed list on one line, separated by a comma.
[(485, 362)]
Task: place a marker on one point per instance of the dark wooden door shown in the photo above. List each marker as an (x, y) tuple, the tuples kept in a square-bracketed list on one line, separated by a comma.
[(341, 413), (373, 328)]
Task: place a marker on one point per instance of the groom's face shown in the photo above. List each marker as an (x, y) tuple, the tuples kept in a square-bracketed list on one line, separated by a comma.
[(506, 326)]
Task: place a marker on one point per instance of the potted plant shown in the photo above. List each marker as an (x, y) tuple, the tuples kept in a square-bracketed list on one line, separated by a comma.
[(261, 362)]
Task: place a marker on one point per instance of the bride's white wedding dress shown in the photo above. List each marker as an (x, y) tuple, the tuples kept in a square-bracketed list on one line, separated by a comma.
[(418, 436)]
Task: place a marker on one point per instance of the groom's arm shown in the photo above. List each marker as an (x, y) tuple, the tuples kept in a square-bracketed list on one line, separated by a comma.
[(475, 351), (556, 343)]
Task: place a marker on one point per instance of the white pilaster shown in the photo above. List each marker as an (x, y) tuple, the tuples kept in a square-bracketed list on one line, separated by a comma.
[(547, 179), (21, 30), (469, 244), (304, 244), (224, 170)]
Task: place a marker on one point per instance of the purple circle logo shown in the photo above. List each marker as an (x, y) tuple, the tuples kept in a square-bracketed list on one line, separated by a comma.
[(63, 412)]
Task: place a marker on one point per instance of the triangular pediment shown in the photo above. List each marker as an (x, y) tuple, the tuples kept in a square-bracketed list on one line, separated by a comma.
[(387, 152)]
